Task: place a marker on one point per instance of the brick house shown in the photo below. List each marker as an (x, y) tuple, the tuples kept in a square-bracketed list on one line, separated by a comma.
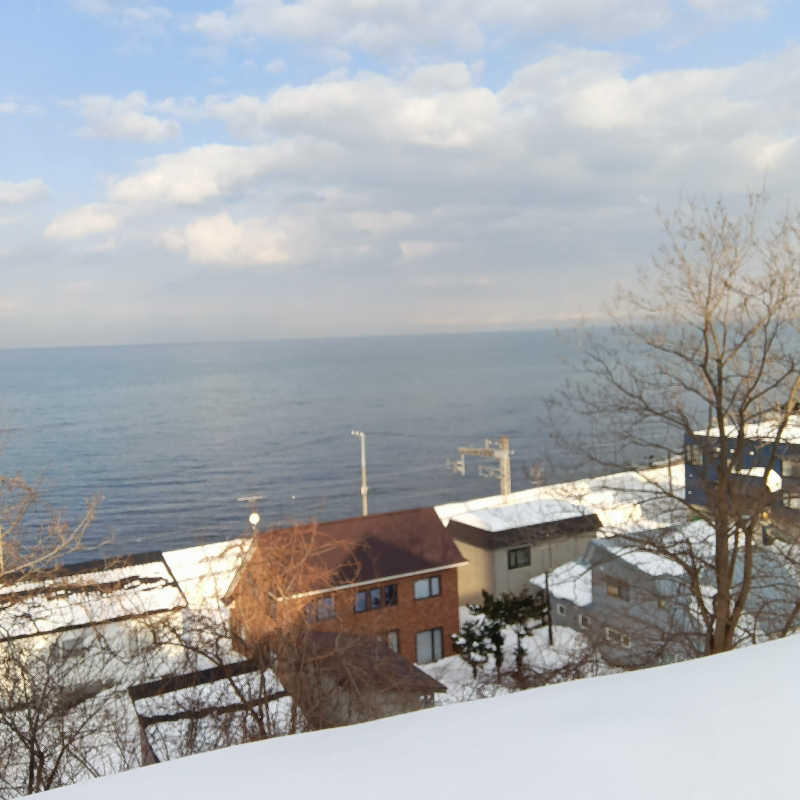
[(393, 576)]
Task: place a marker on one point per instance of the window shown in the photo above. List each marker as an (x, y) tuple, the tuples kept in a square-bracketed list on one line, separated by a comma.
[(617, 588), (326, 608), (584, 621), (617, 637), (393, 640), (694, 455), (429, 646), (791, 500), (519, 557), (791, 468), (427, 587), (561, 609), (377, 597), (360, 602)]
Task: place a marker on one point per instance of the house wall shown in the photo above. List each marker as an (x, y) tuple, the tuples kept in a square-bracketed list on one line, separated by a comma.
[(545, 556), (477, 575), (408, 617)]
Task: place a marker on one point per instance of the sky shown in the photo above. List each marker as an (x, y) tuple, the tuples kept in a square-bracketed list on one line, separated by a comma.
[(246, 169)]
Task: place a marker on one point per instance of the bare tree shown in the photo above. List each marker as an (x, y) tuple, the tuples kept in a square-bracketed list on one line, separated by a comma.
[(62, 718), (262, 653), (707, 342), (28, 545)]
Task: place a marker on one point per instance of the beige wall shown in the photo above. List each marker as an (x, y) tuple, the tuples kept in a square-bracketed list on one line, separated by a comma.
[(489, 570), (477, 575)]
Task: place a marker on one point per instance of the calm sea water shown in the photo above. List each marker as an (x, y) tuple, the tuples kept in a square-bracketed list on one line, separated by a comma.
[(171, 435)]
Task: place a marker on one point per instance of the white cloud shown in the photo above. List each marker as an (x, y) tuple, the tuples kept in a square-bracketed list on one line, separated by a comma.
[(12, 193), (124, 119), (369, 107), (88, 220), (394, 25), (275, 66), (732, 9), (143, 15), (220, 240), (10, 106), (538, 184), (199, 174), (146, 14)]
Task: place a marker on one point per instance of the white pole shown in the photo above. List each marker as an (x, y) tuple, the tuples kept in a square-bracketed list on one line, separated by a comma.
[(364, 487)]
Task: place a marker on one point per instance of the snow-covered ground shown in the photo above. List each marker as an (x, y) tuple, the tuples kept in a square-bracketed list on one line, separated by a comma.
[(718, 727), (540, 658)]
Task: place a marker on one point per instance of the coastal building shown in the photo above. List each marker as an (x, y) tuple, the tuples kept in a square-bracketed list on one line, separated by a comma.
[(393, 576), (508, 540), (634, 602), (764, 461)]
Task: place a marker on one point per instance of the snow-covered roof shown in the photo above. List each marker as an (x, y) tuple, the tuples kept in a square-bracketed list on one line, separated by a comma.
[(205, 572), (519, 515), (571, 581), (651, 563), (675, 720), (773, 481), (142, 585), (765, 431), (630, 500)]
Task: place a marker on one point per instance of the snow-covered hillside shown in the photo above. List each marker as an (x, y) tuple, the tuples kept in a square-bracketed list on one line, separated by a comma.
[(718, 727)]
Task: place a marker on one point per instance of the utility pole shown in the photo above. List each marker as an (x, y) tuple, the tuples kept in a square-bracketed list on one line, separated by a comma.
[(364, 487), (500, 451)]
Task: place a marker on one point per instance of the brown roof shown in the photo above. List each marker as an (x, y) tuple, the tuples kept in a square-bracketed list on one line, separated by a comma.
[(376, 547)]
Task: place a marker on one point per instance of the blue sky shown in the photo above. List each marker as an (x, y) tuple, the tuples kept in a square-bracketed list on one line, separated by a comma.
[(252, 169)]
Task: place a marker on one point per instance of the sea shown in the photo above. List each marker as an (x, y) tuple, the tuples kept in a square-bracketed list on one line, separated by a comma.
[(172, 435)]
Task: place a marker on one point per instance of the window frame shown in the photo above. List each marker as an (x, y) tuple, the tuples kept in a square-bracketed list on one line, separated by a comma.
[(433, 643), (694, 454), (363, 599), (428, 580), (393, 634), (794, 469), (513, 553), (585, 621), (325, 608), (617, 588)]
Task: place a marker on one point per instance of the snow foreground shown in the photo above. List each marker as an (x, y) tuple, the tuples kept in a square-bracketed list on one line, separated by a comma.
[(717, 727)]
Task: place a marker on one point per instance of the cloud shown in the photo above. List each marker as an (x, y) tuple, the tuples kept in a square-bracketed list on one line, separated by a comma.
[(275, 66), (124, 119), (432, 180), (220, 240), (368, 107), (199, 174), (9, 106), (396, 25), (22, 192), (149, 15), (88, 220), (732, 9)]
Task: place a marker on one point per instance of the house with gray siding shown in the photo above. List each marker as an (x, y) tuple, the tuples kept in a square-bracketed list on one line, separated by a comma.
[(636, 607)]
